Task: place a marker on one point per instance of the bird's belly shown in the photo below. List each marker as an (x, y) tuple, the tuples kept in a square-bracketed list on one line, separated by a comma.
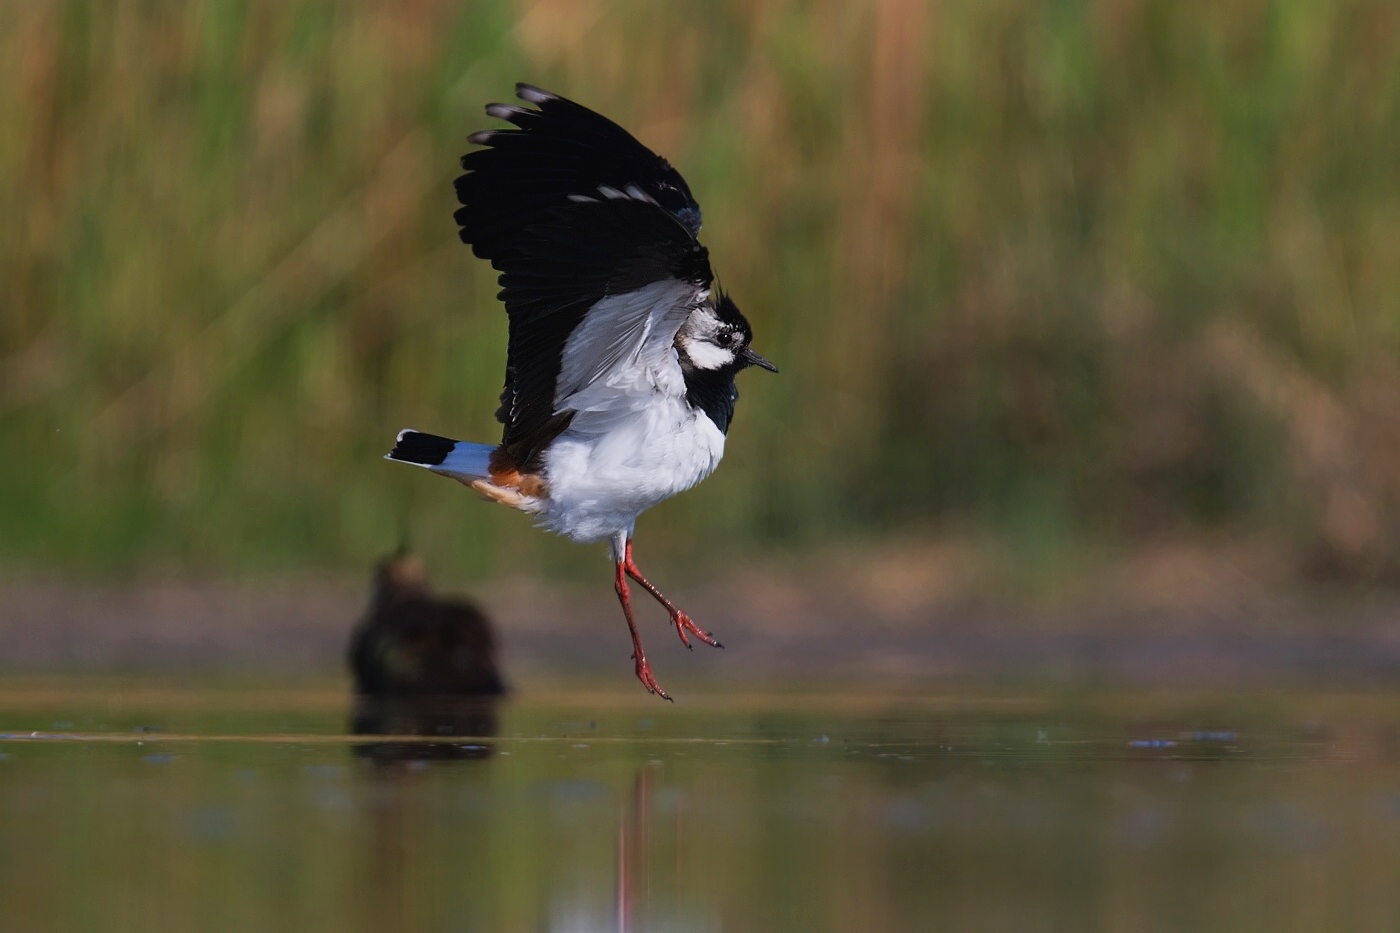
[(608, 468)]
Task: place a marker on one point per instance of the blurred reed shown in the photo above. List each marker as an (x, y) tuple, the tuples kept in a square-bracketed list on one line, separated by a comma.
[(1054, 272)]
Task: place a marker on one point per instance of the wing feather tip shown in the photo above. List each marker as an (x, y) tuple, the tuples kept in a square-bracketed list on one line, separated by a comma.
[(506, 111), (532, 94)]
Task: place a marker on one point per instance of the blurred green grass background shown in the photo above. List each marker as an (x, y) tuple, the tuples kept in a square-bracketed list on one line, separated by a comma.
[(1044, 273)]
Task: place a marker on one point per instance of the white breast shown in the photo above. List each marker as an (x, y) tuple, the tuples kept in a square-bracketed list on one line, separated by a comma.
[(611, 466)]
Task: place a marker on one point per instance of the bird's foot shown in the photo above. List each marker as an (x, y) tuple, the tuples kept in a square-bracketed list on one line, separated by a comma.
[(647, 678), (684, 623)]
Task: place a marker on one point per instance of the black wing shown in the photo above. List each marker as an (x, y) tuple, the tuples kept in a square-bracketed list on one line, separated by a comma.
[(532, 204), (559, 151)]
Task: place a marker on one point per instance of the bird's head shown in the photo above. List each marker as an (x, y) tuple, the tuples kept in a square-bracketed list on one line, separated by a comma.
[(716, 338), (400, 574)]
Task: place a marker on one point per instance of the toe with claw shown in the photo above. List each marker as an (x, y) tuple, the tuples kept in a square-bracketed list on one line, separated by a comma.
[(648, 679), (684, 623)]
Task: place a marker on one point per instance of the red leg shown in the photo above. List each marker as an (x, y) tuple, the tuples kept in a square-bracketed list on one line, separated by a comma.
[(643, 668), (682, 622)]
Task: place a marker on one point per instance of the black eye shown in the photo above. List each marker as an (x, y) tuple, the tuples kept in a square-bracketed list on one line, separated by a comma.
[(726, 338)]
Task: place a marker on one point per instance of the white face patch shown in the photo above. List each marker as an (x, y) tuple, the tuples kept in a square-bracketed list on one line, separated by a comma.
[(699, 340), (708, 356)]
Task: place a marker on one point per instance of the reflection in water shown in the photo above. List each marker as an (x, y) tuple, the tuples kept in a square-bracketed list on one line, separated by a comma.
[(429, 717), (634, 852), (762, 814), (392, 889)]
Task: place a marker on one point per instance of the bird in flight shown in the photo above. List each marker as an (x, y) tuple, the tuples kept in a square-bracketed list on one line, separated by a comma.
[(622, 353)]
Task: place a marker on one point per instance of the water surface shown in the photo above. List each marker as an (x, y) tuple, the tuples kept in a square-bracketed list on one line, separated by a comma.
[(242, 807)]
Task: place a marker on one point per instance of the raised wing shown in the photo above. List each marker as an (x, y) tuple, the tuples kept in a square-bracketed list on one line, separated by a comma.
[(594, 236), (561, 151)]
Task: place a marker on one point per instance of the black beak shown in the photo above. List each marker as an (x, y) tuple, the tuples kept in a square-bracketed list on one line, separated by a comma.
[(753, 359)]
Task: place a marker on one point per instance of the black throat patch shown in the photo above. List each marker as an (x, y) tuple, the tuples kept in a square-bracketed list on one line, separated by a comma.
[(712, 391)]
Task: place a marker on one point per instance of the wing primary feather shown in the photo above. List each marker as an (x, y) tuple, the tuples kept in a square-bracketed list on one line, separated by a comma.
[(506, 111), (550, 154)]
